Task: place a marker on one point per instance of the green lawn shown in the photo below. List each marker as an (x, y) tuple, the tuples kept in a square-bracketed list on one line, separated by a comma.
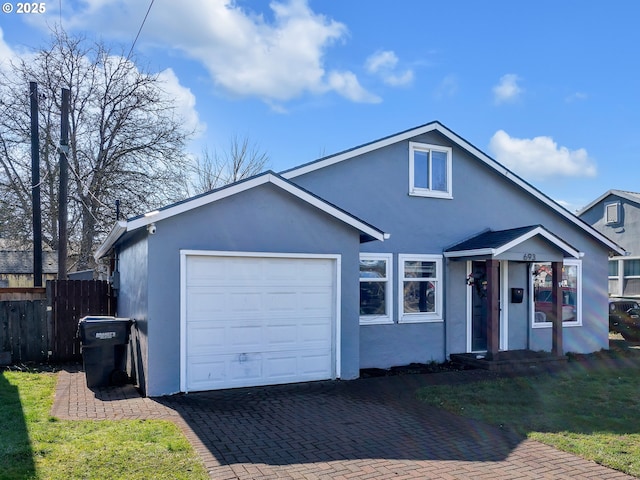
[(590, 411), (34, 445)]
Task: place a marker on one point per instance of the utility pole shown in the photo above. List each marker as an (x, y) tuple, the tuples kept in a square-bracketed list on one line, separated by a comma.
[(35, 187), (63, 192)]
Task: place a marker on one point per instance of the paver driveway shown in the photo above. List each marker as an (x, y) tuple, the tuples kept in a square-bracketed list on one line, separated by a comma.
[(363, 429)]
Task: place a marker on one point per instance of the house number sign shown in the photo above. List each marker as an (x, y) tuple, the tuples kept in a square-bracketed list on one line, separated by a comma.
[(529, 257)]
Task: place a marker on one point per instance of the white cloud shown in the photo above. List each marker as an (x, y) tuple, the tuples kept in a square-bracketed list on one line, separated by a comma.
[(346, 84), (540, 157), (448, 87), (571, 206), (246, 54), (185, 101), (6, 53), (384, 63), (507, 90), (381, 61)]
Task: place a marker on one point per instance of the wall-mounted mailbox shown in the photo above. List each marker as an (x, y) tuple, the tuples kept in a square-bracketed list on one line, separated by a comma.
[(517, 294)]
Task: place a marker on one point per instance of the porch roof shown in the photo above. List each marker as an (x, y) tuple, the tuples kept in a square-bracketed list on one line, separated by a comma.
[(496, 242)]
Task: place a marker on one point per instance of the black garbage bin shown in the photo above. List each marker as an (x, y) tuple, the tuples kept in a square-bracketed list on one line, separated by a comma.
[(104, 346)]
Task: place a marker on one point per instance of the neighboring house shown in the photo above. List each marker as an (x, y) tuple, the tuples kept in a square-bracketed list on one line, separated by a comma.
[(407, 249), (16, 268), (616, 214)]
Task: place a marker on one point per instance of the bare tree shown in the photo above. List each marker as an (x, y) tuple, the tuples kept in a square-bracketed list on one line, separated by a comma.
[(125, 141), (241, 160)]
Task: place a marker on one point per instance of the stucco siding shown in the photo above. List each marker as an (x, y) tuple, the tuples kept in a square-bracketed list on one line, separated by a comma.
[(456, 306), (518, 313), (626, 232), (263, 219), (421, 343), (375, 187), (133, 298)]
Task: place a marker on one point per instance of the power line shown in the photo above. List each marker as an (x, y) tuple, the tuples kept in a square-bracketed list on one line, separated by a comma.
[(140, 29)]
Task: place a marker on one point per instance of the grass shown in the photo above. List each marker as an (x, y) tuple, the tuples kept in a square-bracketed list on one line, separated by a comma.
[(34, 445), (590, 409)]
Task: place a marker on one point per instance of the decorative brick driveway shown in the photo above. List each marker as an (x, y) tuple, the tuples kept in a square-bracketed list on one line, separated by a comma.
[(363, 429)]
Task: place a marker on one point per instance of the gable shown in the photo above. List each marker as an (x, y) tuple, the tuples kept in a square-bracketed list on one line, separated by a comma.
[(519, 244), (311, 174), (616, 214), (367, 231), (611, 196)]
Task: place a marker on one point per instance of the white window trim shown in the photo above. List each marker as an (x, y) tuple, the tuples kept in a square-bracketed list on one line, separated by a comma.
[(427, 192), (380, 319), (578, 322), (621, 276), (438, 280), (618, 278), (607, 221), (624, 261)]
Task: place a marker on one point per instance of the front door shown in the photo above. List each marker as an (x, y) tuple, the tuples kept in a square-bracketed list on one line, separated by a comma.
[(479, 311), (478, 307)]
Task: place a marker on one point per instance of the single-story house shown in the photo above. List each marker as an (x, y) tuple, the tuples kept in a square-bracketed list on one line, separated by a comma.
[(616, 214), (16, 268), (408, 249)]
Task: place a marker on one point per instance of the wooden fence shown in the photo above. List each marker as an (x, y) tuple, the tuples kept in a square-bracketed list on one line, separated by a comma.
[(39, 325), (23, 325)]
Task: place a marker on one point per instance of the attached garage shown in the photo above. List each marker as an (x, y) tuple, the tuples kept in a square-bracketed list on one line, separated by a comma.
[(257, 319), (252, 284)]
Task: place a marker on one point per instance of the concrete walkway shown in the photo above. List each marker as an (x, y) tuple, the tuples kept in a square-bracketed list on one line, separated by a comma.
[(363, 429)]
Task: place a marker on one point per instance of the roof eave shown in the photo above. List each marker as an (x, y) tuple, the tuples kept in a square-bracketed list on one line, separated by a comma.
[(367, 232), (478, 252), (505, 247), (561, 244), (119, 229)]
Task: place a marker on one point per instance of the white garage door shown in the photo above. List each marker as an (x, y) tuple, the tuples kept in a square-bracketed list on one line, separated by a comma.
[(253, 320)]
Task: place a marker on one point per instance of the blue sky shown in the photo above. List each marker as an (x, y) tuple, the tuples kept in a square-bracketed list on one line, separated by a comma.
[(549, 89)]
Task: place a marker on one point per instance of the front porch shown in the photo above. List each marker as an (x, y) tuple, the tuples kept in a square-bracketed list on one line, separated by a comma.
[(512, 361), (504, 314)]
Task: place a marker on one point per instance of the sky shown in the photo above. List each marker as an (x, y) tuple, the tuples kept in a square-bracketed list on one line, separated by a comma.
[(549, 89)]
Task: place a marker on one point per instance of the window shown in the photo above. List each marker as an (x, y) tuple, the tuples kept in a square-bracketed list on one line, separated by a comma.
[(613, 268), (375, 291), (571, 293), (631, 277), (612, 213), (632, 268), (614, 277), (420, 287), (429, 170)]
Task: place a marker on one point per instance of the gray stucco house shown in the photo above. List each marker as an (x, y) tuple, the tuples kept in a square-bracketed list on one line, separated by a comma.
[(407, 249), (616, 214)]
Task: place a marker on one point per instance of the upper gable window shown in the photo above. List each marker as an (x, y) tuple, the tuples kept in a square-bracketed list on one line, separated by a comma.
[(612, 213), (429, 170)]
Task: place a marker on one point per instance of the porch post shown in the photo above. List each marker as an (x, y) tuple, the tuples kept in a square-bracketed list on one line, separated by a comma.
[(493, 308), (556, 310)]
